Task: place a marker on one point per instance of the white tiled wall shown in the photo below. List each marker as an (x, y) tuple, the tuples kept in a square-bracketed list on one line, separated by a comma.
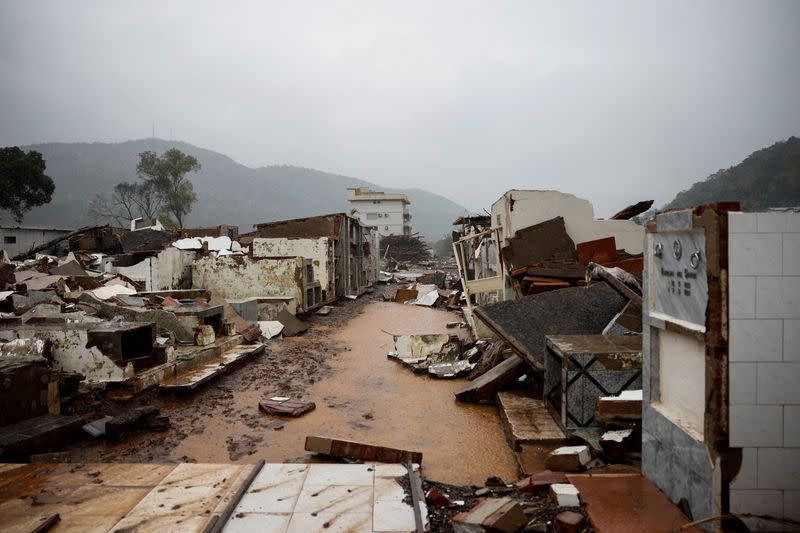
[(764, 394)]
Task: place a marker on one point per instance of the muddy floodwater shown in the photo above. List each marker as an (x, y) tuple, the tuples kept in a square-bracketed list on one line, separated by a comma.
[(361, 395)]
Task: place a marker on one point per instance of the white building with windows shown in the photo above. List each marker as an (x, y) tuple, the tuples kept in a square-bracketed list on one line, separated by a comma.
[(388, 213)]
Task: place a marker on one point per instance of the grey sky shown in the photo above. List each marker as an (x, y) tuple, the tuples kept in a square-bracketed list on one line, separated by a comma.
[(613, 101)]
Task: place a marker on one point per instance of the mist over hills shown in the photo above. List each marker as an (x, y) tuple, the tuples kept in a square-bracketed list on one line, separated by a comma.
[(227, 192), (769, 177)]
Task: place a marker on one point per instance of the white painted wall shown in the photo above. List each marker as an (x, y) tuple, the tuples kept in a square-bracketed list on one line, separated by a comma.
[(386, 216), (244, 277), (27, 238), (170, 269), (320, 251), (682, 381), (518, 209), (764, 352)]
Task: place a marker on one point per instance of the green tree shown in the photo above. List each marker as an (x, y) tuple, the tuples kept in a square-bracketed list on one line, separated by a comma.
[(167, 175), (23, 183)]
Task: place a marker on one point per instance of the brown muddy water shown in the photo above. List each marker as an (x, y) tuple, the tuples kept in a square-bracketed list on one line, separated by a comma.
[(362, 396)]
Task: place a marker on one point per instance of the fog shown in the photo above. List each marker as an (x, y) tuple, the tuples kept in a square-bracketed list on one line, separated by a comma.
[(613, 101)]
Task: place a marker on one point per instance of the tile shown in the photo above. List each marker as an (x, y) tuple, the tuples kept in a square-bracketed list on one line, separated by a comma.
[(791, 254), (337, 498), (773, 222), (742, 222), (742, 383), (392, 470), (257, 523), (331, 523), (778, 383), (393, 516), (791, 340), (757, 502), (756, 340), (778, 297), (387, 488), (330, 474), (755, 254), (274, 490), (791, 504), (791, 426), (747, 476), (742, 297), (779, 468), (756, 425)]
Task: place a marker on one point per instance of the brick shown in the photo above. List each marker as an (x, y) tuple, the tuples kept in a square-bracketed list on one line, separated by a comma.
[(501, 515), (742, 297), (779, 468), (791, 254), (791, 426), (742, 383), (778, 297), (755, 254), (791, 340), (540, 481), (756, 425), (778, 383), (360, 451), (742, 223), (756, 340), (568, 522), (747, 478)]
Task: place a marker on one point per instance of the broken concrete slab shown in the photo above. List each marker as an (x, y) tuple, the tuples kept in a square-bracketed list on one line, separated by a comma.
[(545, 241), (438, 347), (524, 323), (624, 407), (540, 481), (213, 366), (526, 420), (360, 451), (325, 310), (569, 458), (617, 443), (486, 386), (204, 335), (496, 515), (97, 428), (39, 434), (449, 369), (270, 328), (284, 406), (565, 495), (404, 295), (568, 522), (291, 324)]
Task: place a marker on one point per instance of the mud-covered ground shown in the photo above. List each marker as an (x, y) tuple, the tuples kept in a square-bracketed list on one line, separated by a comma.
[(287, 367)]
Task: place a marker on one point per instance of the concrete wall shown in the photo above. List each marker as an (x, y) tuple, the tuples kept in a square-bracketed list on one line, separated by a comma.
[(682, 381), (764, 256), (70, 354), (27, 238), (244, 277), (320, 251), (170, 269), (518, 209)]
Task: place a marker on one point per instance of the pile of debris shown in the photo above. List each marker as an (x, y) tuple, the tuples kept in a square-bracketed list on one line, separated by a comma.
[(405, 249)]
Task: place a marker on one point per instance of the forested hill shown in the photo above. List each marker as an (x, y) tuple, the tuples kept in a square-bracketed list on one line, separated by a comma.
[(767, 178), (227, 192)]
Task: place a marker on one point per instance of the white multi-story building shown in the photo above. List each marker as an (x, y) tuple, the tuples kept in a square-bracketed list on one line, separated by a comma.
[(389, 214)]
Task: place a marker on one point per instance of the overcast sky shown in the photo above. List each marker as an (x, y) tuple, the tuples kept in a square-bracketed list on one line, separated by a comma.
[(612, 101)]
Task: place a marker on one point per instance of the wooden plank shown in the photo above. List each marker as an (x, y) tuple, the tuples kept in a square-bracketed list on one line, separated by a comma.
[(360, 451)]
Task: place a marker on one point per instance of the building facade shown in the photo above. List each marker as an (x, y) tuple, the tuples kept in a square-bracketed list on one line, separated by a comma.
[(17, 240), (389, 214)]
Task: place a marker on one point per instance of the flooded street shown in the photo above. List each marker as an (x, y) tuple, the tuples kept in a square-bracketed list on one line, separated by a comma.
[(360, 394)]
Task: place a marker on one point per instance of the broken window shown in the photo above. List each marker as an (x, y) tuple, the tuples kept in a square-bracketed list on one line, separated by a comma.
[(10, 239)]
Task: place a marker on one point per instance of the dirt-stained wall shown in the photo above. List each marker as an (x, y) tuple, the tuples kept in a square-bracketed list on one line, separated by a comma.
[(320, 251), (243, 277)]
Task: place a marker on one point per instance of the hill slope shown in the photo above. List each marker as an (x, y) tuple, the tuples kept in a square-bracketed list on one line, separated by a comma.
[(227, 192), (767, 178)]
